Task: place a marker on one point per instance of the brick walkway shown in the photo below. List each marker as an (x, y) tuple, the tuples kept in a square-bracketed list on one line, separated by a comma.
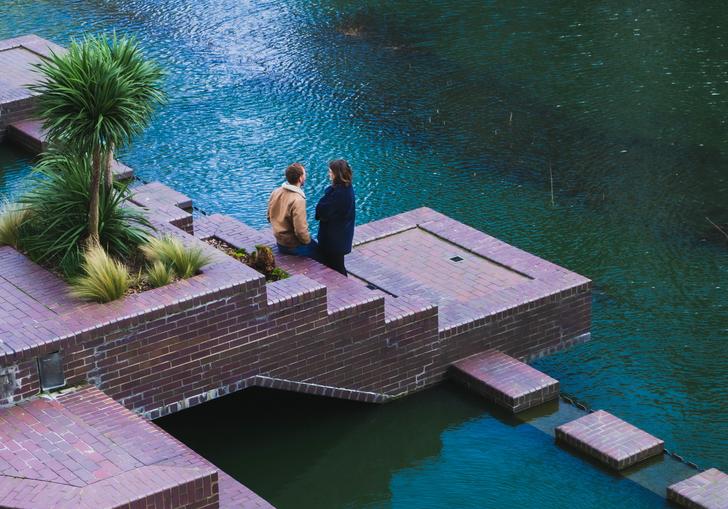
[(83, 450)]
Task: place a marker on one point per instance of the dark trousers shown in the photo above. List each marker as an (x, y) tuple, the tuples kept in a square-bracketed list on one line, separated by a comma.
[(334, 261), (309, 250)]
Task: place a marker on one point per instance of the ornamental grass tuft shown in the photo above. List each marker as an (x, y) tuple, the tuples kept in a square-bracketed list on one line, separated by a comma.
[(104, 279), (12, 217), (186, 261), (159, 274)]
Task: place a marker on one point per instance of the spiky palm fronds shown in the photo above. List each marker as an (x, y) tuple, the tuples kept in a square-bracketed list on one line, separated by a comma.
[(101, 92), (94, 99), (59, 201)]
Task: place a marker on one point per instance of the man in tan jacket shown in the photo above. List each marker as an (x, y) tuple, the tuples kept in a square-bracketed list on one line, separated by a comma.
[(287, 214)]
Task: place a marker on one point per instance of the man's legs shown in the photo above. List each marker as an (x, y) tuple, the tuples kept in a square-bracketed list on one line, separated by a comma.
[(309, 250)]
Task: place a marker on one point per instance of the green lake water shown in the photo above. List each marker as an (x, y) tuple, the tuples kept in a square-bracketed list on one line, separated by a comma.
[(472, 108)]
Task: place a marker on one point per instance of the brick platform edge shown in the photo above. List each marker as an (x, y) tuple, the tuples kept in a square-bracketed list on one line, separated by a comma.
[(609, 439), (82, 450), (505, 380), (706, 490), (17, 102), (176, 346)]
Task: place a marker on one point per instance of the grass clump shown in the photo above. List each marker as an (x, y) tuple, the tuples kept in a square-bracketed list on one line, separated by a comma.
[(104, 279), (185, 261), (159, 274), (12, 217)]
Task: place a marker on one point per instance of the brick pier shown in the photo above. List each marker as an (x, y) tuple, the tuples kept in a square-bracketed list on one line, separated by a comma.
[(425, 292)]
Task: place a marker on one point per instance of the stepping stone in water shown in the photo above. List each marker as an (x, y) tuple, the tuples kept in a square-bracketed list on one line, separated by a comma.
[(609, 439), (706, 490), (506, 381)]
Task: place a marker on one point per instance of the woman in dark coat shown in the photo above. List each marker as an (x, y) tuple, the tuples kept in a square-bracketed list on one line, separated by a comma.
[(336, 214)]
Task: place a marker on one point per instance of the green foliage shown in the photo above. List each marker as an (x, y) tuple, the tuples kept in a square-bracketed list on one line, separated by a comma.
[(99, 94), (241, 254), (159, 274), (94, 99), (59, 223), (263, 261), (277, 274), (104, 278), (12, 217), (185, 261)]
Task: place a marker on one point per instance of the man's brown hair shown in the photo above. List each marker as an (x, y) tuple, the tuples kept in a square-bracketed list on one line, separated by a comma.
[(342, 172), (294, 173)]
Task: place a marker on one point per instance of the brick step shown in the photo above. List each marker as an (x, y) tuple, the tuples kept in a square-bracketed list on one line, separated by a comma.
[(609, 439), (29, 134), (164, 205), (706, 490), (506, 381)]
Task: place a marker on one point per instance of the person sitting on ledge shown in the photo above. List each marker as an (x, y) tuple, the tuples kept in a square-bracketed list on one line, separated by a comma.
[(336, 211), (287, 215)]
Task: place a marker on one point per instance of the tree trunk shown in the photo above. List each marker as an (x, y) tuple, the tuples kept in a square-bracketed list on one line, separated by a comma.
[(93, 209), (109, 175)]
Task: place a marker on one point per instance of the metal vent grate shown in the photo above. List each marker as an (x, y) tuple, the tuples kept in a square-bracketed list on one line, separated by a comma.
[(50, 369)]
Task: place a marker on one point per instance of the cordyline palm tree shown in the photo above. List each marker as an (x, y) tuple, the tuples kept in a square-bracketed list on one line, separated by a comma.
[(95, 98)]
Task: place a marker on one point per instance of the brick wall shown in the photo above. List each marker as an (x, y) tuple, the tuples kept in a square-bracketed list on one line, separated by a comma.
[(222, 331), (230, 339)]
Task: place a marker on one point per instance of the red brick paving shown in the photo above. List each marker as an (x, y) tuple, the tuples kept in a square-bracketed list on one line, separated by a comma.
[(84, 450), (706, 490), (16, 59), (505, 380), (609, 439)]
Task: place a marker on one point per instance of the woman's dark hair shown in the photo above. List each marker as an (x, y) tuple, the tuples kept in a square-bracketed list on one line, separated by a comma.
[(342, 172)]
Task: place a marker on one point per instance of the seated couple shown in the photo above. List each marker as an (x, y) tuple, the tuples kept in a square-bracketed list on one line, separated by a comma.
[(335, 212)]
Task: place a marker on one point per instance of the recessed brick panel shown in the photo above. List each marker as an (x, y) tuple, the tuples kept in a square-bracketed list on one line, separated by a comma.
[(609, 439), (505, 380)]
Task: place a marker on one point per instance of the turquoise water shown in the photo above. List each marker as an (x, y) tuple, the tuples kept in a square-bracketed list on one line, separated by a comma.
[(470, 108)]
